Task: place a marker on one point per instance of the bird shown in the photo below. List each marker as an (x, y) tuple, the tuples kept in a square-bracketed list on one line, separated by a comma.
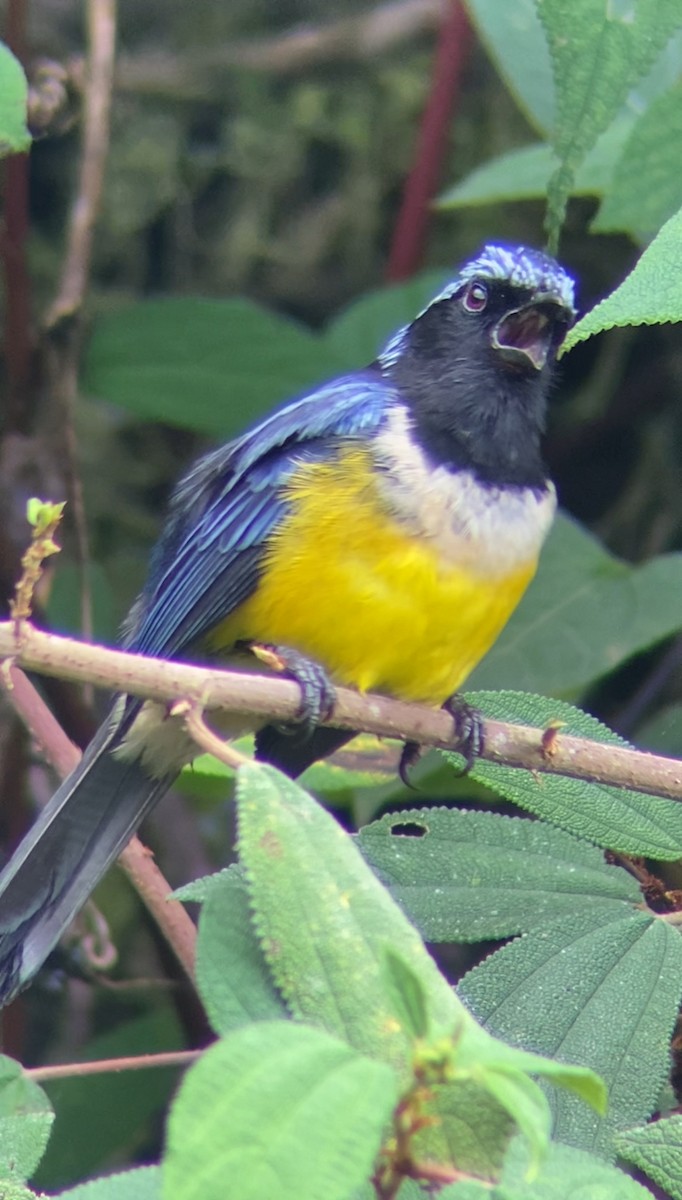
[(376, 533)]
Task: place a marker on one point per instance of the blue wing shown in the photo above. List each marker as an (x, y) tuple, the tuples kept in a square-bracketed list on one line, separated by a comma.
[(208, 559)]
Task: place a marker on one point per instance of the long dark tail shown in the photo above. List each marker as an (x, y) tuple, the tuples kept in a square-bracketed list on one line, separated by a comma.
[(80, 833), (64, 855)]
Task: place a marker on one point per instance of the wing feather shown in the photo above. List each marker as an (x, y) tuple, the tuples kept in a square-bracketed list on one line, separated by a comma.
[(222, 513)]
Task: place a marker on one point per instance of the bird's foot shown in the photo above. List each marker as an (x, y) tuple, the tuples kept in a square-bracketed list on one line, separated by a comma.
[(468, 738), (318, 694)]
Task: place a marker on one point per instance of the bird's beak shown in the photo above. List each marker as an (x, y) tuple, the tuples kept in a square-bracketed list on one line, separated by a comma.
[(526, 335)]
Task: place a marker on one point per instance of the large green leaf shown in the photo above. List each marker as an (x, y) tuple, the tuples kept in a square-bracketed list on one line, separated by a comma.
[(14, 135), (523, 174), (26, 1118), (324, 920), (584, 614), (325, 924), (650, 295), (277, 1109), (513, 36), (656, 1149), (565, 1174), (212, 366), (232, 976), (356, 336), (594, 988), (468, 876), (646, 188), (616, 818), (599, 51)]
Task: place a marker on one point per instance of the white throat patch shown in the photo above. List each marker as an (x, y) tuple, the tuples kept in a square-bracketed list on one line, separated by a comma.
[(488, 530)]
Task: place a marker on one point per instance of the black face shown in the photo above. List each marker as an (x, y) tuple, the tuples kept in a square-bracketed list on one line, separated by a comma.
[(475, 370), (525, 328)]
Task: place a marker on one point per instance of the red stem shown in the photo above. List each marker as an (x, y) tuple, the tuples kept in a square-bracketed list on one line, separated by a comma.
[(409, 236), (17, 335)]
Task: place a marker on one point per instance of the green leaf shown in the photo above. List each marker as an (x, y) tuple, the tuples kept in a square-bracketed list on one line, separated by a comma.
[(488, 1056), (523, 174), (650, 295), (356, 336), (207, 365), (232, 976), (469, 876), (657, 1150), (11, 1190), (585, 613), (514, 38), (26, 1118), (214, 365), (599, 51), (405, 990), (646, 188), (325, 922), (14, 135), (620, 976), (141, 1184), (565, 1174), (631, 822), (277, 1106)]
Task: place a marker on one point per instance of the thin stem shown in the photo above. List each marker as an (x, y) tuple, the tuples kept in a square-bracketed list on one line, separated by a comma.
[(101, 23), (108, 1066), (206, 739), (64, 314)]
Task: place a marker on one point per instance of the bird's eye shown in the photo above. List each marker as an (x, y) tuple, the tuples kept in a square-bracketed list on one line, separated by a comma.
[(475, 297)]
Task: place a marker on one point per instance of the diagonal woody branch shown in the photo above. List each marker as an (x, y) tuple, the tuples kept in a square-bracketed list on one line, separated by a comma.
[(267, 697)]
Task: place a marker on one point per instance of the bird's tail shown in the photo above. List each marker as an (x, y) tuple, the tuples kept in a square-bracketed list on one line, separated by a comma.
[(78, 835)]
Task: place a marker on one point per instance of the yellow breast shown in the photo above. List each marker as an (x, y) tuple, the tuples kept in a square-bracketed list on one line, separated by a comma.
[(381, 607)]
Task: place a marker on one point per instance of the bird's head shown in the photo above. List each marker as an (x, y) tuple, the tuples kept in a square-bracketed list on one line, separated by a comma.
[(475, 365)]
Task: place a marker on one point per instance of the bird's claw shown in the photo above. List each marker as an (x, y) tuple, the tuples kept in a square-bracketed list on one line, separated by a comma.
[(318, 695), (468, 739), (468, 722)]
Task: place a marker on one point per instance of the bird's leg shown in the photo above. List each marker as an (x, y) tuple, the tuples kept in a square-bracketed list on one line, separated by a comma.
[(318, 694), (468, 740)]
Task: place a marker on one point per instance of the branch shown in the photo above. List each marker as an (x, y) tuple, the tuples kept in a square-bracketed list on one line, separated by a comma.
[(101, 19), (63, 320), (135, 860), (270, 698), (205, 74), (107, 1066)]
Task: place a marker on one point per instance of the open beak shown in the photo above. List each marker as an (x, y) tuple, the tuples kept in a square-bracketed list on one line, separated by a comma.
[(526, 335)]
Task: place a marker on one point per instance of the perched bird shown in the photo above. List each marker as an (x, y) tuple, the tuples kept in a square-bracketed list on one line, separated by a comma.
[(377, 533)]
